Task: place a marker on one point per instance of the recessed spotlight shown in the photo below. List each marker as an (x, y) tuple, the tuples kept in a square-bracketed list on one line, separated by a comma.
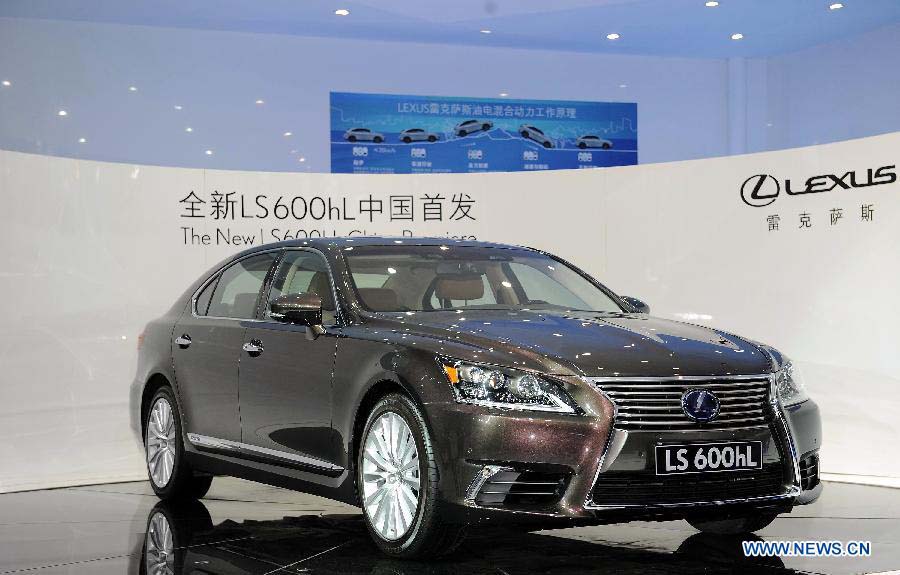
[(737, 36), (836, 6), (82, 140), (612, 36), (503, 94), (132, 88), (260, 102), (301, 159), (486, 31), (286, 134), (189, 129), (208, 152), (712, 4), (62, 113), (342, 12), (6, 83), (623, 85), (177, 107)]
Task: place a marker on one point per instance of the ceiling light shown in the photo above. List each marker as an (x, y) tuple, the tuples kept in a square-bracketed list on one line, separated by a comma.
[(6, 83), (82, 140), (132, 88), (612, 36), (260, 102), (836, 6), (286, 134), (342, 12), (208, 152), (189, 129), (177, 107), (301, 159), (712, 4), (485, 31), (737, 36), (62, 113), (503, 94), (623, 85)]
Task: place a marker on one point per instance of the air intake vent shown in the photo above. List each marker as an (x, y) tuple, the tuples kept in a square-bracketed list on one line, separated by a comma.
[(656, 405), (522, 489), (809, 470)]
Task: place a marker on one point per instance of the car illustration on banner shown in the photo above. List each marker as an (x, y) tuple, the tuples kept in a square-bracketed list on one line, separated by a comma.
[(418, 135), (471, 126), (593, 142), (535, 134), (363, 135)]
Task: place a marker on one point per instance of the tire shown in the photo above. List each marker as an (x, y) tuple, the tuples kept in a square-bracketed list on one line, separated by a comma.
[(461, 133), (485, 127), (736, 525), (417, 533), (524, 134), (170, 530), (582, 145), (407, 139), (378, 139), (547, 145), (605, 146), (432, 138), (351, 139), (167, 450)]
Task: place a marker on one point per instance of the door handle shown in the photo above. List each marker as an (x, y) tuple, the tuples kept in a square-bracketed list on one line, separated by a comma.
[(254, 347), (183, 341)]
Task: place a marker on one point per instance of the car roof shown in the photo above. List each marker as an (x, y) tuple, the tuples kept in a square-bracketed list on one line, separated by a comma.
[(326, 244)]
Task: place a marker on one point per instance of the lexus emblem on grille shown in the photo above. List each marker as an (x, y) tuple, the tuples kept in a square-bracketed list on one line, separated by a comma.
[(700, 405)]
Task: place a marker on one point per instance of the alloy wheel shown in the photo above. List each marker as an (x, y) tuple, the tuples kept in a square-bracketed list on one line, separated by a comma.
[(390, 476), (161, 442), (159, 555)]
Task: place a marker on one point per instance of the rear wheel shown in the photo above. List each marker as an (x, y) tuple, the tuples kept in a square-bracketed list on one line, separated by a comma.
[(736, 525), (485, 127), (432, 138), (397, 477), (524, 133), (351, 138), (407, 139), (582, 145), (170, 475), (605, 145), (378, 139), (461, 133), (547, 144)]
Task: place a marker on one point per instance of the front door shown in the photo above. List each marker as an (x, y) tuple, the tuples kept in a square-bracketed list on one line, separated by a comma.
[(285, 375), (206, 348)]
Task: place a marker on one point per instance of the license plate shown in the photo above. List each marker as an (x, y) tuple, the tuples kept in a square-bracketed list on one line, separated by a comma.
[(708, 457)]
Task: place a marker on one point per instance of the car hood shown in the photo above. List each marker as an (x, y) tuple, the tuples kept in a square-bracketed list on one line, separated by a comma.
[(589, 344)]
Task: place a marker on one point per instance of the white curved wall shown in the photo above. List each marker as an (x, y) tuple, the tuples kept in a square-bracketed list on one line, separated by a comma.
[(92, 251)]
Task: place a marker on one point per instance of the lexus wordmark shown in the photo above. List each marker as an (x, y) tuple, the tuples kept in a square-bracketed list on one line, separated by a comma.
[(439, 384)]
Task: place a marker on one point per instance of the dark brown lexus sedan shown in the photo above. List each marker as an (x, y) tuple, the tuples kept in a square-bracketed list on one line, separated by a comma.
[(439, 384)]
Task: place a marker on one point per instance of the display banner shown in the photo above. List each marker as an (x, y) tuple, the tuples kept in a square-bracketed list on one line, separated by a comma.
[(796, 248), (390, 134)]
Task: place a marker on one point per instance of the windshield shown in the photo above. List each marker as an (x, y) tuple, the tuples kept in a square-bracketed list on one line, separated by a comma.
[(437, 278)]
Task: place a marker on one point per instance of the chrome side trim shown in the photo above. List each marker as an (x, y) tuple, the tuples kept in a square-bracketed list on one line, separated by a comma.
[(479, 480), (206, 442)]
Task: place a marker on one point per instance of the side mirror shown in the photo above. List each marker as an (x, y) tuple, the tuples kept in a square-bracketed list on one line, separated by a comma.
[(301, 309), (636, 304)]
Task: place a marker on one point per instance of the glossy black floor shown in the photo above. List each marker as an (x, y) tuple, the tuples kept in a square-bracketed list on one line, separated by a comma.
[(242, 527)]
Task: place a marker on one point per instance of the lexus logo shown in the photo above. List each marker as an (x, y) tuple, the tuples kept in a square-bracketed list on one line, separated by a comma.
[(700, 405), (760, 190)]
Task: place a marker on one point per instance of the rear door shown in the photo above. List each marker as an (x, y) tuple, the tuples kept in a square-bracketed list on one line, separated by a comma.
[(207, 346), (285, 383)]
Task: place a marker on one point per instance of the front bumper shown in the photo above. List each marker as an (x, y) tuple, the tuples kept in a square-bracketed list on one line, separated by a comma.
[(499, 464)]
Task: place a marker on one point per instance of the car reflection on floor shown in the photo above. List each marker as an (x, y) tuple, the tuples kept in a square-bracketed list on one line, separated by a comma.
[(181, 539)]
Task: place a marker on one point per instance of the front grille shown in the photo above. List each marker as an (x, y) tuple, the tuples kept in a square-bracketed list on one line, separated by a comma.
[(522, 489), (630, 488), (809, 471), (656, 405)]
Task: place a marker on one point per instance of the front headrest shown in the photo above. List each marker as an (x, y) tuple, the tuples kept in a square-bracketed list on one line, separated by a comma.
[(459, 287), (379, 299)]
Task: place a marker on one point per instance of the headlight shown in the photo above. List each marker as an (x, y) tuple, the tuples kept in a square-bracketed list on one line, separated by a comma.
[(789, 387), (506, 388)]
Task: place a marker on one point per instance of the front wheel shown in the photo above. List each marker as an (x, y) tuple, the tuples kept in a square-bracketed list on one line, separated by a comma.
[(378, 139), (397, 476), (736, 525), (170, 475)]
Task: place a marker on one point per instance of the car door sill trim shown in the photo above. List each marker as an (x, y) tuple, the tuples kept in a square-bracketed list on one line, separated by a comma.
[(206, 442)]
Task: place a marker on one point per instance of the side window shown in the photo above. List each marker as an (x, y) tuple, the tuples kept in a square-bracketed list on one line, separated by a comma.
[(205, 296), (300, 272), (238, 289)]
